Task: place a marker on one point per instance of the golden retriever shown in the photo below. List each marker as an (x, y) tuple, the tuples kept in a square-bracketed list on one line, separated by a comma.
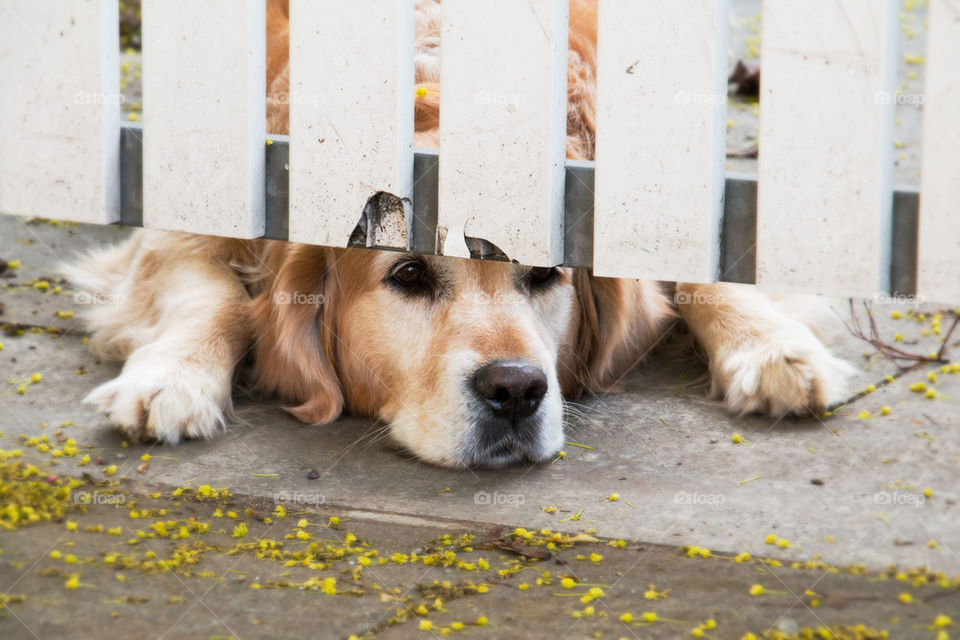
[(468, 361)]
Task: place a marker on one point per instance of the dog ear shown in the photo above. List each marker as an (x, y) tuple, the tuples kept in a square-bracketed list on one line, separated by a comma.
[(620, 320), (292, 319)]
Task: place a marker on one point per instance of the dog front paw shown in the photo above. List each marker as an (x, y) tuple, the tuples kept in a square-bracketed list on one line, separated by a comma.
[(784, 374), (161, 400)]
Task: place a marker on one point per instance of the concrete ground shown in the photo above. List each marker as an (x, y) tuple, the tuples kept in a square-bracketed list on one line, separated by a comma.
[(860, 508)]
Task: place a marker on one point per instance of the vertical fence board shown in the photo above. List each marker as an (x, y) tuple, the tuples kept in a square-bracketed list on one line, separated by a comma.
[(204, 116), (826, 117), (939, 237), (351, 112), (503, 66), (661, 105), (59, 109)]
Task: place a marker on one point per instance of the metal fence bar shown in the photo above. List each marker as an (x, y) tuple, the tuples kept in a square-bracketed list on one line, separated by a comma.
[(426, 186), (277, 224), (578, 214), (738, 232), (905, 232), (131, 175)]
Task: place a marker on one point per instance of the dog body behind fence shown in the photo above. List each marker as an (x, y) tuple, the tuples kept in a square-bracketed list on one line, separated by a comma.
[(467, 361), (412, 340)]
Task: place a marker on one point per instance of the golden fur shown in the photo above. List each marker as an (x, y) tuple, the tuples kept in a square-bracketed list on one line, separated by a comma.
[(329, 332)]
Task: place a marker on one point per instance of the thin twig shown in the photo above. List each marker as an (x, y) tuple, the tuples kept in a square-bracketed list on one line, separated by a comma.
[(946, 339), (892, 353)]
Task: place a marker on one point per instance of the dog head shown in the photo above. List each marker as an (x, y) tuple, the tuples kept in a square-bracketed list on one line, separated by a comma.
[(468, 361)]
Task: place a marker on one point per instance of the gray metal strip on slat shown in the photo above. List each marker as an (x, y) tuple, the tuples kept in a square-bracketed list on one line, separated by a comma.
[(904, 238), (131, 175), (426, 179), (277, 223), (738, 233)]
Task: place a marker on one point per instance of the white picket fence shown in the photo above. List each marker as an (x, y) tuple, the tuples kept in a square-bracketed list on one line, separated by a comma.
[(824, 179)]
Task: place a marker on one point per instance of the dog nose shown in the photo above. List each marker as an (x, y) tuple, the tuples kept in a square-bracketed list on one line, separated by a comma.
[(512, 389)]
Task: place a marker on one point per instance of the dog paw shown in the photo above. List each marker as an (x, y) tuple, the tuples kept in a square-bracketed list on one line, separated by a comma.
[(164, 401), (785, 374)]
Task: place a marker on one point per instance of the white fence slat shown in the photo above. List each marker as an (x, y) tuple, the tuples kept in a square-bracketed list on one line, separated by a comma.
[(351, 112), (938, 277), (204, 116), (826, 118), (661, 125), (503, 67), (59, 109)]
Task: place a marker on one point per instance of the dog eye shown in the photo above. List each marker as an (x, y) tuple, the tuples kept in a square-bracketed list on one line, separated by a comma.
[(410, 275), (542, 276)]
